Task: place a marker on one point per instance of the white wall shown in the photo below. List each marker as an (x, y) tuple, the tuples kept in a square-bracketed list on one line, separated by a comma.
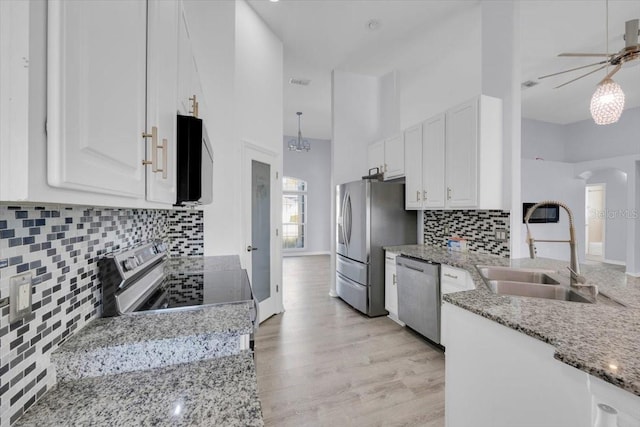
[(355, 100), (588, 141), (615, 238), (315, 168), (545, 180), (543, 140), (446, 67), (230, 44)]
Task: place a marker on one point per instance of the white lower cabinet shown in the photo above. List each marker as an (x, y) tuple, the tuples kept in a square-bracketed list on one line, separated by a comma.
[(391, 286), (498, 377)]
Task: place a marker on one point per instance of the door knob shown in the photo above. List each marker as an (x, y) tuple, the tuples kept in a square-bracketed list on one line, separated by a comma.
[(251, 248)]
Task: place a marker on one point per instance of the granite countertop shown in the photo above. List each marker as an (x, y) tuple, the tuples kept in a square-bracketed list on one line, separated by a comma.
[(600, 339), (146, 341), (210, 392)]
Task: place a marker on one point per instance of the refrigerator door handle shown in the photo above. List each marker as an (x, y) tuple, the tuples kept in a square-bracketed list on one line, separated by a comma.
[(350, 218)]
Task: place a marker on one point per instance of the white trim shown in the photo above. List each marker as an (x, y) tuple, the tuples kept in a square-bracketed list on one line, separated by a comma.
[(614, 262), (302, 253), (273, 304)]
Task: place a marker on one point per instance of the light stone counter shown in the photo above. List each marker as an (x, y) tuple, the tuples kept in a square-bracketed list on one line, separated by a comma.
[(216, 392), (601, 339), (145, 341)]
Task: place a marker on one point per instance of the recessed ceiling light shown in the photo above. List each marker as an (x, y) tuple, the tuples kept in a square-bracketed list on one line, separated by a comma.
[(274, 1), (373, 25)]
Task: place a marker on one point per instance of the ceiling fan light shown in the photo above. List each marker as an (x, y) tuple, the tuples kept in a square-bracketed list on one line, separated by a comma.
[(607, 103)]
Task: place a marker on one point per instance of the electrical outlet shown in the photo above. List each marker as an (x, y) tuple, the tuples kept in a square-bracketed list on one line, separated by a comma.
[(501, 234), (20, 296)]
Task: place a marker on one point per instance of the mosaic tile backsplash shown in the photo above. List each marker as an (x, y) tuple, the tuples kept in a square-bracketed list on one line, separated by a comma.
[(60, 246), (478, 227)]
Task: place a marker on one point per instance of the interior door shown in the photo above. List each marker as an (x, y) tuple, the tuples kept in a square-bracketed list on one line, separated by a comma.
[(262, 207)]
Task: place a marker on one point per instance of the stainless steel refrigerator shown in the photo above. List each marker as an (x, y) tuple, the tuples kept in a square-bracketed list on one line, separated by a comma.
[(370, 215)]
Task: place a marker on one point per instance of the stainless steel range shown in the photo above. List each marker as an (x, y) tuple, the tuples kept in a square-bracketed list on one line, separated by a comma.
[(144, 280)]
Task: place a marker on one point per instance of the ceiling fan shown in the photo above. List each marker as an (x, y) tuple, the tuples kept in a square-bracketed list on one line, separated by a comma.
[(630, 52)]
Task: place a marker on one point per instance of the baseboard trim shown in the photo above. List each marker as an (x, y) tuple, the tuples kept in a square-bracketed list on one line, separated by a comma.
[(288, 254), (611, 261)]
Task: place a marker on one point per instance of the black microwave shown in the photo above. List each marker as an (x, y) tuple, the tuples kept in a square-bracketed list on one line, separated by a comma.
[(544, 214), (194, 163)]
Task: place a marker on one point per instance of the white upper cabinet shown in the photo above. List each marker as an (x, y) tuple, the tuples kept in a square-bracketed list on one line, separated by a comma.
[(433, 161), (388, 156), (162, 92), (413, 167), (375, 156), (394, 157), (112, 90), (96, 96), (462, 155), (189, 87), (461, 158)]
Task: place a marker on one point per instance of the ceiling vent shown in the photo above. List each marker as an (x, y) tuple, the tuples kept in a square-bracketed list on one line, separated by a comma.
[(299, 82), (529, 83)]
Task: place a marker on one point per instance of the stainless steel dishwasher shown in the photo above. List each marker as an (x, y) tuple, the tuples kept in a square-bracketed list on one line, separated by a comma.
[(419, 296)]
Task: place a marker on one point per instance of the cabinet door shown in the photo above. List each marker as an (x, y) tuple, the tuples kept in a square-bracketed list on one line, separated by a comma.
[(390, 284), (375, 156), (433, 162), (462, 155), (96, 80), (394, 157), (162, 83), (413, 167)]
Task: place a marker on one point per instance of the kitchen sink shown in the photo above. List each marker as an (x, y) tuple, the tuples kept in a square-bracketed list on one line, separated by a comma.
[(509, 274), (535, 290), (528, 282)]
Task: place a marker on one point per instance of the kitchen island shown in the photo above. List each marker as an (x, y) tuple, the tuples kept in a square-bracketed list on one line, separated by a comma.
[(601, 340)]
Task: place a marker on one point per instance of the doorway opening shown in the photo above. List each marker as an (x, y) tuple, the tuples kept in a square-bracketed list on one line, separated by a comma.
[(595, 198)]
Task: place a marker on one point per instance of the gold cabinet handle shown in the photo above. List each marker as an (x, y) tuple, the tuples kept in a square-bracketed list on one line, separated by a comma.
[(194, 106), (424, 194), (154, 152), (448, 193), (395, 282), (165, 145), (385, 167), (154, 144), (417, 195)]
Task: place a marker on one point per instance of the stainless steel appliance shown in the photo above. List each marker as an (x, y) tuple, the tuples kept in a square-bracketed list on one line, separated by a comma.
[(143, 280), (370, 215), (194, 163), (419, 296)]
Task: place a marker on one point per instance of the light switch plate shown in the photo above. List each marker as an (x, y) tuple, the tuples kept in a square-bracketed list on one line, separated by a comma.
[(20, 296)]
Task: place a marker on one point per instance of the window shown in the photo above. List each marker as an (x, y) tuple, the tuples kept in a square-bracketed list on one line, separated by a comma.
[(294, 212)]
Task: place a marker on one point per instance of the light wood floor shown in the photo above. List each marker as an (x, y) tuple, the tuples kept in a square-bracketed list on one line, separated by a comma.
[(321, 363)]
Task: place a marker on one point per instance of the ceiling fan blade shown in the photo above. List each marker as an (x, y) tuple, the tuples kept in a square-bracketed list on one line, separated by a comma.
[(612, 72), (578, 78), (604, 55), (573, 69)]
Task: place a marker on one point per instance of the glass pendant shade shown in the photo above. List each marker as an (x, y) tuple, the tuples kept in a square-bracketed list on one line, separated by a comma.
[(607, 102), (300, 143)]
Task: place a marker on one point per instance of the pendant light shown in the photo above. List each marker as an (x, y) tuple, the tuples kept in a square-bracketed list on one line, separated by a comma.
[(607, 102), (299, 144)]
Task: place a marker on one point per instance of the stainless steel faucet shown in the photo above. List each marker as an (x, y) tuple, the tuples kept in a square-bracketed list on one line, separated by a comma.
[(575, 278)]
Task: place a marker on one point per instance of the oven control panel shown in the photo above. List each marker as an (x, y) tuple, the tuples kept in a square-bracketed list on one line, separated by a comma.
[(137, 259)]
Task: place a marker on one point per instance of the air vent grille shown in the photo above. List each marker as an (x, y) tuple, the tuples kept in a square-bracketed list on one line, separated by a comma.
[(300, 82), (529, 83)]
